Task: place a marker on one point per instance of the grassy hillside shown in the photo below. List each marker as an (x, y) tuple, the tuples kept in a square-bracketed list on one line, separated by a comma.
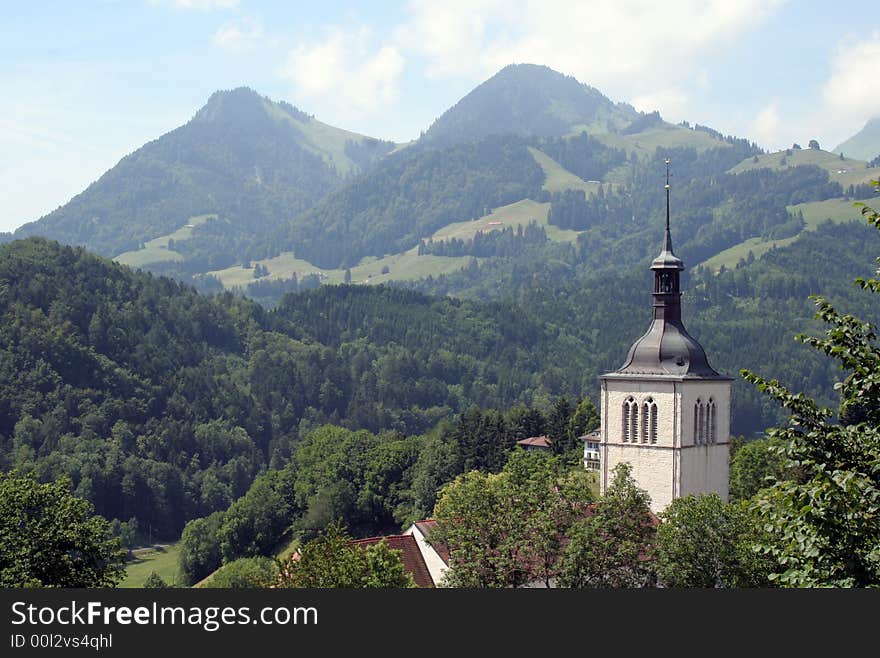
[(162, 559), (814, 214), (846, 171), (519, 213), (408, 265), (666, 135), (558, 178), (332, 144), (158, 249)]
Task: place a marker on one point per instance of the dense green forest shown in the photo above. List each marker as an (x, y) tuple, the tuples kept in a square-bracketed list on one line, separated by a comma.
[(374, 483), (409, 196), (163, 405)]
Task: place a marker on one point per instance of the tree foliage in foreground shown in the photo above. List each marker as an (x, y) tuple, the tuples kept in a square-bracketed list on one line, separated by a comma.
[(704, 542), (49, 538), (613, 546), (756, 464), (825, 528), (331, 561), (508, 529)]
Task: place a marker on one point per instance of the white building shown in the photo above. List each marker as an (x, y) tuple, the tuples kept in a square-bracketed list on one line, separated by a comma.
[(666, 411), (592, 458)]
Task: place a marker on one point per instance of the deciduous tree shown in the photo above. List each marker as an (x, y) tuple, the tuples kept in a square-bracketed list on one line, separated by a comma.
[(330, 561), (704, 542), (612, 547), (508, 529), (49, 538), (825, 527)]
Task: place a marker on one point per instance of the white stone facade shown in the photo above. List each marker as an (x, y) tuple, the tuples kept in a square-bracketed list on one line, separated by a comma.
[(669, 456)]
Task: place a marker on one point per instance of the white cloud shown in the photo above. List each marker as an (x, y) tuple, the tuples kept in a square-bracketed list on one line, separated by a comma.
[(239, 36), (671, 102), (765, 127), (344, 75), (844, 102), (654, 52), (634, 48), (851, 91)]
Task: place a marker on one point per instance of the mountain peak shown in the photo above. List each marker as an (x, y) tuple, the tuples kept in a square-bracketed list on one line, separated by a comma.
[(865, 144), (243, 103), (528, 100), (237, 104)]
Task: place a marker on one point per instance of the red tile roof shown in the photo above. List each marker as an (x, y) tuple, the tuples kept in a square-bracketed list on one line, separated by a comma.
[(536, 441), (413, 562)]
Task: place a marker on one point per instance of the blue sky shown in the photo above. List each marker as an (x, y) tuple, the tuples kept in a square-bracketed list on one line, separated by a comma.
[(84, 83)]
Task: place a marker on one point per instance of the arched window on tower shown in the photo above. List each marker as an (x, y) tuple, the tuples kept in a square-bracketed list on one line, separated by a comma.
[(634, 422), (652, 422), (645, 427), (698, 422), (711, 421), (629, 406)]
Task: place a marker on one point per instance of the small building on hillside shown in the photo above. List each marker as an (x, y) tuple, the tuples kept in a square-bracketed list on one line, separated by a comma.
[(591, 450), (536, 443)]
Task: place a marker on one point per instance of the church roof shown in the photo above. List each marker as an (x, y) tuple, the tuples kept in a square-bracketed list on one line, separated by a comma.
[(667, 349)]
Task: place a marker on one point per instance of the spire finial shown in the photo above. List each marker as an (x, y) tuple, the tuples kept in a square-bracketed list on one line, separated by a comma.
[(667, 196), (667, 243)]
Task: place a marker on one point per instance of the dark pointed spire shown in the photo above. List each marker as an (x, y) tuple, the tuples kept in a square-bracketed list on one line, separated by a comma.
[(667, 258), (667, 244), (667, 349)]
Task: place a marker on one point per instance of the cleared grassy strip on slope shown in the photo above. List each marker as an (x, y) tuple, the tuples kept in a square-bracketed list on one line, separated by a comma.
[(406, 266), (643, 145), (157, 251), (322, 139), (846, 172), (815, 212), (402, 267), (557, 178), (162, 559), (522, 212)]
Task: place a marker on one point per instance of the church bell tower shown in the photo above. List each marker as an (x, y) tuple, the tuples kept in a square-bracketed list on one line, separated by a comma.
[(666, 411)]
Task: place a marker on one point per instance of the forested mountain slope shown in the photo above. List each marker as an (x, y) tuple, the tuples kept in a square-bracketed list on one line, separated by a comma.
[(246, 161), (530, 101), (163, 404)]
